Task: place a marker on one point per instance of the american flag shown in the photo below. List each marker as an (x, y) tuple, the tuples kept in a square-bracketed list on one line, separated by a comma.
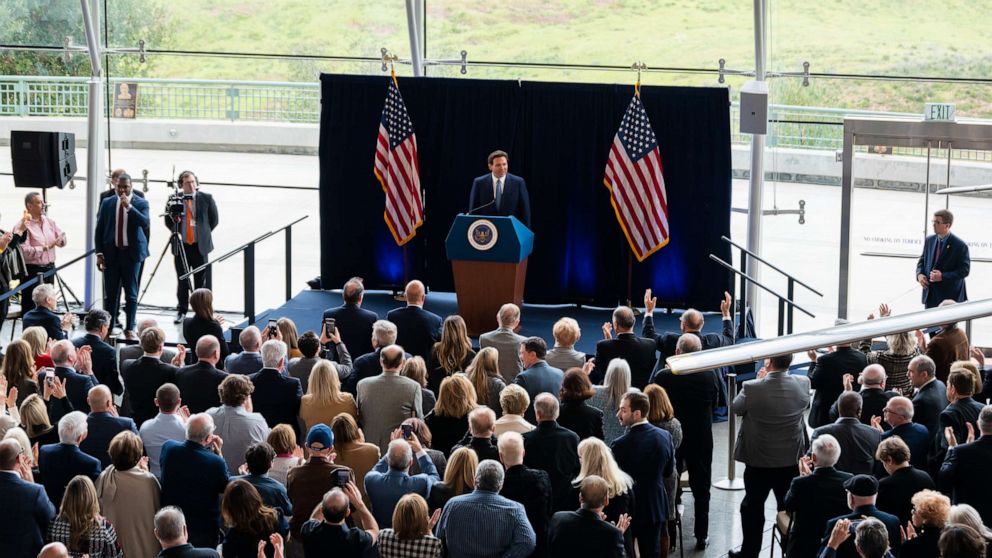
[(637, 187), (397, 169)]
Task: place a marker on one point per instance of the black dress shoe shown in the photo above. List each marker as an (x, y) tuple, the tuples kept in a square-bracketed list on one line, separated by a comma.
[(701, 544), (180, 316)]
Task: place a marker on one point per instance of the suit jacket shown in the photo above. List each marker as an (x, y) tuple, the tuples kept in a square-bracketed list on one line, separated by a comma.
[(416, 329), (24, 516), (277, 397), (206, 219), (928, 402), (77, 386), (896, 490), (964, 476), (198, 385), (826, 376), (694, 398), (639, 352), (507, 344), (365, 366), (104, 241), (947, 346), (554, 450), (104, 361), (102, 427), (583, 533), (196, 327), (814, 499), (583, 419), (857, 441), (647, 454), (873, 400), (355, 325), (43, 317), (917, 437), (847, 550), (955, 416), (188, 551), (666, 341), (142, 378), (386, 486), (772, 432), (244, 363), (59, 463), (954, 264), (537, 379), (385, 401), (134, 351), (515, 200), (193, 479), (532, 488)]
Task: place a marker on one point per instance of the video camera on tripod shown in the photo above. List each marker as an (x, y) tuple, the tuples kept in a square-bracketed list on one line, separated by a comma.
[(175, 206)]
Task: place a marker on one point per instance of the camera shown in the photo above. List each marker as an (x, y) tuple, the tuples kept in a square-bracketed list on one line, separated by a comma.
[(174, 206), (342, 477)]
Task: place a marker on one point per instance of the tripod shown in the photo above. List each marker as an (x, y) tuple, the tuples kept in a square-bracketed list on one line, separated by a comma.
[(176, 244)]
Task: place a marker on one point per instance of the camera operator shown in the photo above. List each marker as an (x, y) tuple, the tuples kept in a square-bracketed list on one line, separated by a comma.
[(194, 214)]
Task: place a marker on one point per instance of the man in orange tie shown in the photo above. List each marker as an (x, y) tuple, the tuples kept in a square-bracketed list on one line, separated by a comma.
[(195, 224)]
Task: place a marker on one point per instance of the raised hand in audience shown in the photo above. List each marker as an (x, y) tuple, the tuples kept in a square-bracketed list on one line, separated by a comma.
[(435, 517), (842, 530), (623, 522), (215, 443), (277, 545), (184, 413), (52, 386), (805, 465), (589, 366), (876, 423), (180, 357), (650, 302), (978, 355), (607, 330), (921, 340), (143, 463), (884, 311), (84, 360), (725, 305), (848, 382), (952, 440), (908, 532)]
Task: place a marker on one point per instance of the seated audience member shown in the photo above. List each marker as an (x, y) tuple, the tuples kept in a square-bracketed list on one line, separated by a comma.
[(514, 402), (194, 475), (931, 394), (449, 419), (507, 531), (861, 493), (204, 321), (169, 424), (899, 414), (964, 473), (901, 348), (60, 463), (552, 449), (129, 496), (258, 462), (575, 414), (389, 479), (37, 338), (410, 535), (234, 423), (948, 345), (639, 352), (352, 450), (873, 394), (43, 314), (199, 382), (248, 520), (506, 341), (585, 532), (459, 478), (353, 321), (143, 376), (309, 343), (416, 369), (453, 353), (871, 539), (961, 541), (596, 459), (26, 509), (485, 378), (858, 442), (385, 400), (324, 399), (171, 534), (423, 433), (369, 364), (18, 369), (815, 496), (249, 360), (563, 355), (327, 534), (102, 425), (903, 480), (79, 525), (963, 514), (961, 411), (416, 329), (930, 509), (530, 487), (608, 397), (306, 483), (97, 324), (278, 396), (35, 419), (72, 367), (480, 437), (287, 328), (282, 439), (132, 351)]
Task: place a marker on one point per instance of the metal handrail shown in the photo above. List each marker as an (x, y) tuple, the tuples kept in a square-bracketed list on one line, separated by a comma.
[(41, 276), (773, 266), (759, 284)]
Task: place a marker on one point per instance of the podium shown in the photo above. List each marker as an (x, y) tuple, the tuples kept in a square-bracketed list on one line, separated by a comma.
[(489, 260)]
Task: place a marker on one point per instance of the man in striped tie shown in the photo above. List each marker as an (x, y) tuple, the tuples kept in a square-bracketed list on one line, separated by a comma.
[(499, 192)]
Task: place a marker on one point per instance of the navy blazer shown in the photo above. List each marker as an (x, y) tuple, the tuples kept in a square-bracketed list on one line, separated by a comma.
[(24, 516), (198, 385), (104, 361), (540, 378), (277, 397), (554, 449), (826, 376), (954, 265), (416, 329), (647, 454), (59, 463), (193, 478), (928, 403), (815, 498), (105, 242), (355, 325), (964, 476), (102, 427), (77, 386), (43, 317), (142, 378), (515, 200), (917, 437), (243, 363)]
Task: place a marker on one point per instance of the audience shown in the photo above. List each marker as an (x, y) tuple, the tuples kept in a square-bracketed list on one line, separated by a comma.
[(858, 442), (129, 496), (552, 449), (97, 324), (901, 348), (529, 487), (37, 338), (964, 473), (72, 368), (26, 510), (287, 329), (416, 329), (370, 364), (306, 483), (513, 400), (662, 415), (416, 369), (481, 438), (79, 525), (815, 496), (410, 535), (34, 415), (537, 377), (947, 346), (961, 541), (903, 481), (485, 378), (574, 413), (426, 439), (169, 424), (132, 351), (18, 369), (585, 532), (200, 381), (596, 459), (616, 384), (506, 341), (873, 394), (930, 509), (931, 394), (249, 360), (203, 321), (963, 514), (898, 412), (103, 424), (353, 321), (258, 463), (826, 376), (327, 534), (43, 314), (961, 411), (352, 450), (60, 463), (278, 397), (453, 353), (870, 539), (389, 479), (235, 423), (563, 355), (459, 478), (248, 521), (449, 419), (861, 494), (385, 400), (172, 535), (282, 439), (691, 321), (324, 399), (639, 352), (143, 376)]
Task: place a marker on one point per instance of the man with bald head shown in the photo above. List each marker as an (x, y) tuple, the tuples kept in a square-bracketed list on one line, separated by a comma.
[(54, 550), (199, 381), (898, 412), (691, 322), (639, 352), (873, 394), (416, 329), (386, 400), (103, 424), (249, 360), (585, 532), (353, 322), (857, 441), (26, 509), (327, 534)]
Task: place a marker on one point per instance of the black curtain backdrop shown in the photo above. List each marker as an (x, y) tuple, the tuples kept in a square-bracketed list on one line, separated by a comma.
[(558, 137)]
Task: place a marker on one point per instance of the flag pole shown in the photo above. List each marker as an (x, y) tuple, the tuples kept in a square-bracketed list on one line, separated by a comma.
[(400, 296), (638, 66)]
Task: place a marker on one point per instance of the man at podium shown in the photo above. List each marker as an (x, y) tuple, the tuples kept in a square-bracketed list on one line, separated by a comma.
[(499, 192)]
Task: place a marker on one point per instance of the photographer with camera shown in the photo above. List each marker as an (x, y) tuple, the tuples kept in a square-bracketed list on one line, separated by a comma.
[(192, 215)]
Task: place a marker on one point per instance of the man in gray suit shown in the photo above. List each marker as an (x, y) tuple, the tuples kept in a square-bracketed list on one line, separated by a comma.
[(386, 400), (771, 440), (194, 224), (506, 342), (539, 376)]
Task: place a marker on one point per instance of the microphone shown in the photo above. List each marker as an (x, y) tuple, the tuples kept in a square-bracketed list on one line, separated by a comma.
[(473, 210)]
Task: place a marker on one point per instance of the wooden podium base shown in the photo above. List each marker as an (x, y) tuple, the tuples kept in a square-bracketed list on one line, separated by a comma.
[(483, 287)]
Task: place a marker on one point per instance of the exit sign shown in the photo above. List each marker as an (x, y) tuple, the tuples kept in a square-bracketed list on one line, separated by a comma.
[(939, 111)]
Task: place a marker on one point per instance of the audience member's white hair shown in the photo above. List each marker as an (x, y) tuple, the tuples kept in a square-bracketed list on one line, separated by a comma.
[(511, 447), (42, 293), (546, 406), (827, 450), (688, 343), (481, 421), (273, 353), (384, 332), (72, 427), (508, 315), (169, 524), (250, 338), (199, 427), (62, 351), (399, 454)]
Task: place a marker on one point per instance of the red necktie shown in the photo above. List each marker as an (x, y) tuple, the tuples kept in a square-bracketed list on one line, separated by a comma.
[(120, 225)]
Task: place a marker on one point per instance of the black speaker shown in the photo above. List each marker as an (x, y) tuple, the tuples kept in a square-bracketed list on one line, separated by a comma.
[(42, 159)]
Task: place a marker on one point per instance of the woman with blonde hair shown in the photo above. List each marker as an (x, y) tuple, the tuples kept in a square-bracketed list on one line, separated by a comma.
[(37, 338), (485, 378), (453, 353), (18, 368), (248, 520), (971, 367), (608, 396), (204, 322), (449, 419), (290, 337), (324, 399), (416, 369), (513, 400), (129, 495), (289, 454), (930, 510), (595, 458), (564, 356), (352, 450), (79, 525), (459, 478), (895, 358), (411, 534), (35, 421)]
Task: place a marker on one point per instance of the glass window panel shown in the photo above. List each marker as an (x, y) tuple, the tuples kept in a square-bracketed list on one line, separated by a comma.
[(42, 23)]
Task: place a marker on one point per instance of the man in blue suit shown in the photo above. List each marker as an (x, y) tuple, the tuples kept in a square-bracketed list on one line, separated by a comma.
[(97, 324), (121, 246), (77, 383), (390, 478), (102, 425), (59, 463), (499, 192), (43, 314), (538, 376), (416, 329), (353, 321), (944, 263), (26, 510), (277, 395)]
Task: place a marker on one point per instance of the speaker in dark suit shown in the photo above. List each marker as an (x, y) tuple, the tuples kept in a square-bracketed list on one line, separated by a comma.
[(813, 499), (142, 378), (416, 329), (194, 224), (499, 192), (944, 264), (121, 245), (104, 357), (826, 376), (964, 475), (198, 385), (26, 509), (639, 352), (77, 386), (277, 397), (353, 322)]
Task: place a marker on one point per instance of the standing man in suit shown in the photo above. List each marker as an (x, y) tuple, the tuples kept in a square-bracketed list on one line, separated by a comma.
[(59, 463), (815, 496), (143, 376), (931, 394), (26, 509), (899, 414), (826, 376), (538, 376), (647, 454), (964, 473), (639, 352), (530, 487), (506, 341), (199, 381), (386, 400), (416, 329), (277, 395), (194, 225), (249, 360), (873, 394), (353, 322), (944, 264), (691, 322), (121, 246), (554, 449), (771, 440), (961, 412), (858, 442), (104, 357), (585, 532), (102, 425), (499, 192)]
